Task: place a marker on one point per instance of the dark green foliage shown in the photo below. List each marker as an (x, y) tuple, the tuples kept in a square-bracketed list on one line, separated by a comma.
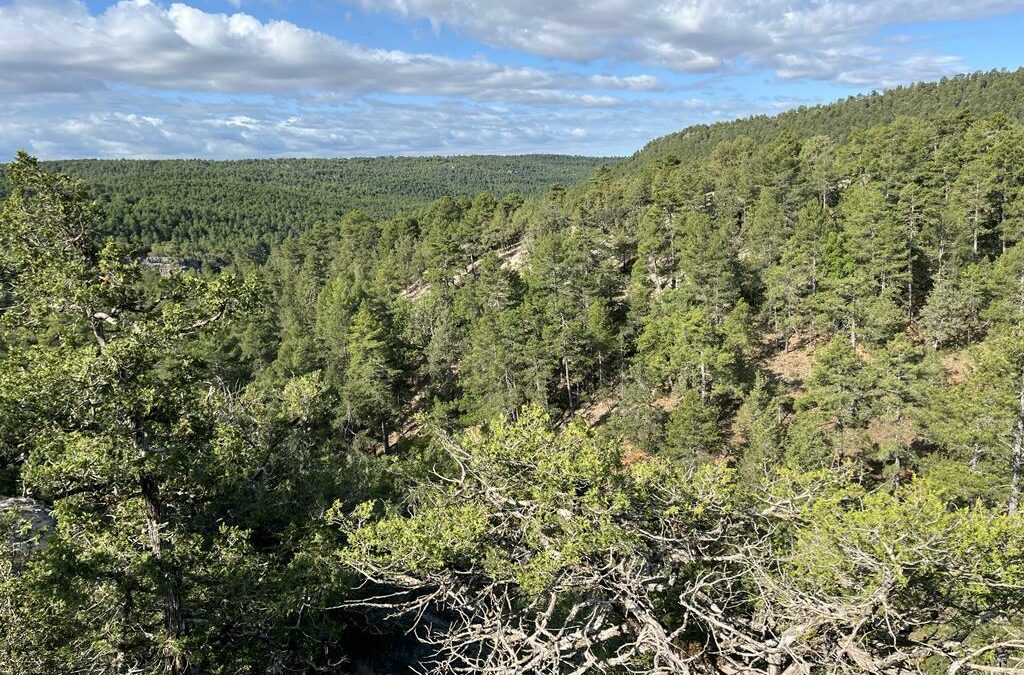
[(979, 94), (693, 429), (235, 211), (167, 486)]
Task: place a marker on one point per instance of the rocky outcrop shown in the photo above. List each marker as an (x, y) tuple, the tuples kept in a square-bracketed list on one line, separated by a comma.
[(25, 525), (165, 266)]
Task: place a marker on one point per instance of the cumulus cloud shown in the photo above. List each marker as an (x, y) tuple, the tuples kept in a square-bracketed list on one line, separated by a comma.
[(822, 39), (133, 124), (154, 78), (58, 45)]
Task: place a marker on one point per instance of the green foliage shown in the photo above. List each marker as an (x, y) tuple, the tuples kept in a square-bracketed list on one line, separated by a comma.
[(228, 211), (692, 428), (166, 542), (533, 529), (751, 401), (980, 94)]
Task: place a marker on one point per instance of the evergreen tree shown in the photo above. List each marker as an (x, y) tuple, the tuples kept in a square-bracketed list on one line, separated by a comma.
[(765, 231), (841, 390), (760, 422), (693, 428), (371, 389), (953, 315), (117, 427), (706, 268)]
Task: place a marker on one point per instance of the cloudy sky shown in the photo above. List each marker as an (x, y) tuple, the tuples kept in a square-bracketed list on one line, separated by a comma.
[(253, 78)]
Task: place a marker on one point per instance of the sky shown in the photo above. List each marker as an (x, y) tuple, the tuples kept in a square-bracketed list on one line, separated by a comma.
[(228, 79)]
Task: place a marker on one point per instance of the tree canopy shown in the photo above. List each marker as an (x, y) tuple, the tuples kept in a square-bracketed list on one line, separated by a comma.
[(751, 401)]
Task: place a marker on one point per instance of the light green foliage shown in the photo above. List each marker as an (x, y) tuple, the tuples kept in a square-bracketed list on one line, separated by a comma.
[(888, 557), (839, 383), (682, 346), (571, 486), (530, 528)]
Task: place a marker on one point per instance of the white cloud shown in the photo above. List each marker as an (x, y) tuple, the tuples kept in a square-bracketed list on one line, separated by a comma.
[(634, 82), (821, 39), (123, 124), (57, 45), (147, 78)]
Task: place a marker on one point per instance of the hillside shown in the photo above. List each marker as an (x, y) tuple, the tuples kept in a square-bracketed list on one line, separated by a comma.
[(976, 94), (198, 206), (754, 408)]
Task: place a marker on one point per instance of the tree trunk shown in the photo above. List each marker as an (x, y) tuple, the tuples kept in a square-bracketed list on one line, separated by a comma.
[(1020, 303), (1016, 458), (910, 275), (976, 218), (671, 248), (568, 382), (171, 601)]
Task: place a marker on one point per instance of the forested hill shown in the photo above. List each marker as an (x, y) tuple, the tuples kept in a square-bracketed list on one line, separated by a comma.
[(977, 94), (222, 207), (761, 411)]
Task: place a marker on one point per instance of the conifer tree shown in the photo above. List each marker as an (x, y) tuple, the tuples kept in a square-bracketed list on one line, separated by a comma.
[(370, 393), (116, 425), (693, 429)]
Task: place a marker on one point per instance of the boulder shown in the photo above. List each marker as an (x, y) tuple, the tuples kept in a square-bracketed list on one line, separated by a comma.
[(25, 525)]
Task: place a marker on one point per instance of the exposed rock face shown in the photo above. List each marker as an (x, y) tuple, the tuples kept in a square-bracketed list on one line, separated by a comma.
[(25, 525), (166, 266)]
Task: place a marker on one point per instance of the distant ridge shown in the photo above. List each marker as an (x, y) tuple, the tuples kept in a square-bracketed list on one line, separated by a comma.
[(193, 204), (978, 94)]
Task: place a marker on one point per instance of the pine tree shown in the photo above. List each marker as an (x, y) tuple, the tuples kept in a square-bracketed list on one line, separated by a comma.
[(793, 285), (637, 420), (1000, 379), (879, 246), (760, 423), (116, 422), (1006, 310), (693, 428), (681, 346), (370, 393), (840, 388), (953, 314), (903, 377), (765, 231), (707, 268)]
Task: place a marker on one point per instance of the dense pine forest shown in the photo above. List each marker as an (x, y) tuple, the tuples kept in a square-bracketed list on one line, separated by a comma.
[(750, 401), (233, 212)]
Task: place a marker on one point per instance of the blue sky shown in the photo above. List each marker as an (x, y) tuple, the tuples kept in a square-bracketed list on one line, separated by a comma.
[(257, 78)]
